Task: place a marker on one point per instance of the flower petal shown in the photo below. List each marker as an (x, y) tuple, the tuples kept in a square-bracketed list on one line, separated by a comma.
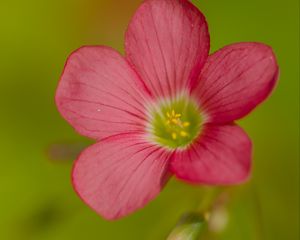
[(99, 94), (168, 43), (235, 79), (120, 174), (221, 155)]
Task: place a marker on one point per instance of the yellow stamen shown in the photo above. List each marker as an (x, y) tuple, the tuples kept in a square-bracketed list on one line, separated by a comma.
[(168, 114), (168, 122), (183, 134), (174, 120), (186, 124), (173, 112), (174, 135), (177, 115)]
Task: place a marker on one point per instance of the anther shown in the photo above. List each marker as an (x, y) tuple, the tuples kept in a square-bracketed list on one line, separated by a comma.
[(186, 124), (174, 135), (174, 120), (183, 134)]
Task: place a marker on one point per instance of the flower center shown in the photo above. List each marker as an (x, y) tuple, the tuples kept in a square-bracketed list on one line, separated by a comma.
[(175, 123)]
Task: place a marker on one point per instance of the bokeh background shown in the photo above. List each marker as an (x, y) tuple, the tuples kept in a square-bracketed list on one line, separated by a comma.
[(37, 145)]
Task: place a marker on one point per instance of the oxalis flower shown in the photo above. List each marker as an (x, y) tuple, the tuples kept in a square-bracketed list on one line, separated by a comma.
[(166, 108)]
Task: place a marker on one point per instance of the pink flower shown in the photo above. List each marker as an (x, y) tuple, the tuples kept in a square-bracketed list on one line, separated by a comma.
[(165, 108)]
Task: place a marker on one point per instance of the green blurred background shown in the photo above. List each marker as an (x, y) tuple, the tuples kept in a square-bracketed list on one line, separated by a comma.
[(36, 197)]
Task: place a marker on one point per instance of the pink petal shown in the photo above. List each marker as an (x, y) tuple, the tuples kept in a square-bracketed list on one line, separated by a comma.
[(221, 155), (120, 174), (100, 95), (168, 43), (235, 79)]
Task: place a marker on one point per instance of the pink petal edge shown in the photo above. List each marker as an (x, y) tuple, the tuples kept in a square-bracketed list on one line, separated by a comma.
[(100, 95), (167, 43), (120, 174), (235, 80), (220, 156)]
